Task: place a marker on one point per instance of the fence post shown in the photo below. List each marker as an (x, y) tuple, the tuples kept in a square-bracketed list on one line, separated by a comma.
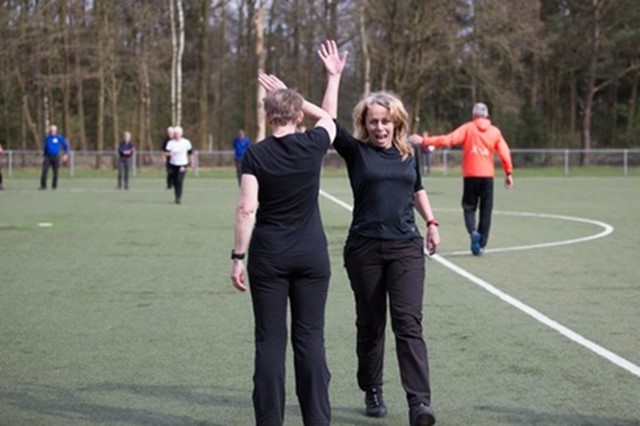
[(566, 162), (72, 159), (10, 161), (444, 161), (625, 161), (134, 160), (195, 163)]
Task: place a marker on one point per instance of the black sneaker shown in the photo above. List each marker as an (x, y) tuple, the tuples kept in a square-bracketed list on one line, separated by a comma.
[(421, 415), (374, 404)]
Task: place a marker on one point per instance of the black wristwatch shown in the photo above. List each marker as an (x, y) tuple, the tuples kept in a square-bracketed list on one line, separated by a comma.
[(237, 256)]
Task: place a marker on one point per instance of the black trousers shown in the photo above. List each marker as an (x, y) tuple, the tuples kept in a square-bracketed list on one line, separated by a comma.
[(124, 166), (478, 192), (169, 175), (238, 162), (395, 269), (304, 282), (50, 161), (177, 180)]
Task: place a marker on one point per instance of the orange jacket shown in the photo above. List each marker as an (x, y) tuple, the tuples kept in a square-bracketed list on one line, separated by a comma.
[(480, 140)]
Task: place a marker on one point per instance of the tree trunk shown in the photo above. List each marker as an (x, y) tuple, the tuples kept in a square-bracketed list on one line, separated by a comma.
[(260, 58), (633, 101), (66, 95), (179, 63), (47, 93), (594, 51), (248, 66), (113, 88), (78, 13), (101, 85), (573, 108), (365, 48), (100, 113), (203, 85), (174, 61), (79, 82), (220, 111), (26, 111)]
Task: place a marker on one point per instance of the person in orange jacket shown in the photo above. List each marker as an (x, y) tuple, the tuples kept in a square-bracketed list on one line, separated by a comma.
[(480, 141)]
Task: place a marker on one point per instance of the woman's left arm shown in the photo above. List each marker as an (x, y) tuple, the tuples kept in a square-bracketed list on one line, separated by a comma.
[(421, 200), (245, 219)]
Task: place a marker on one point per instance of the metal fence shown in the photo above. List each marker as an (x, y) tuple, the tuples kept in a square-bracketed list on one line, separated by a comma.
[(436, 162), (443, 161)]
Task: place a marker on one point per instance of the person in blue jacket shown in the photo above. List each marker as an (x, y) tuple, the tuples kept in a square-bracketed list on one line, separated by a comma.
[(240, 145), (53, 143)]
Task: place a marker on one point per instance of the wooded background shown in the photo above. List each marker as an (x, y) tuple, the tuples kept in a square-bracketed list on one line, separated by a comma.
[(555, 73)]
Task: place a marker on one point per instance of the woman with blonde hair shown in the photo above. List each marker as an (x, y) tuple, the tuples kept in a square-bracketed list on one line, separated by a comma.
[(384, 252)]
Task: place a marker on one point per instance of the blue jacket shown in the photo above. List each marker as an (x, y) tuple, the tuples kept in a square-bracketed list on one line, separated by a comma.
[(52, 145), (240, 146)]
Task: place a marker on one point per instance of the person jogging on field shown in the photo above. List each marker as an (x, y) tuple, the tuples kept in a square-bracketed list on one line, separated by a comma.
[(480, 141)]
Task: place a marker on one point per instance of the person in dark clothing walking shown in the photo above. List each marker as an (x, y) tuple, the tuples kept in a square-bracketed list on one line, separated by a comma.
[(384, 253), (168, 159), (53, 143), (125, 154), (288, 255)]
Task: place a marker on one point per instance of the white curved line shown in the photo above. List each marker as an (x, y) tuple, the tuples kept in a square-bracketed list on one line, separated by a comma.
[(607, 229), (523, 307), (542, 318)]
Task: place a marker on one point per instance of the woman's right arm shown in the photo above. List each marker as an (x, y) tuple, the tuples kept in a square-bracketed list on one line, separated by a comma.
[(334, 63)]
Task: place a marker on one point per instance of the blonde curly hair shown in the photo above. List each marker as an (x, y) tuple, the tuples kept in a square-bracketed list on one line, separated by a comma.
[(397, 113)]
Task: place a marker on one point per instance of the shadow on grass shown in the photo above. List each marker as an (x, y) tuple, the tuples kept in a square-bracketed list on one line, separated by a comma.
[(79, 405), (529, 417), (102, 404)]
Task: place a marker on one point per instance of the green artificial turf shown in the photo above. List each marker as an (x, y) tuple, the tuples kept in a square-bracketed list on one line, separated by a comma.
[(121, 311)]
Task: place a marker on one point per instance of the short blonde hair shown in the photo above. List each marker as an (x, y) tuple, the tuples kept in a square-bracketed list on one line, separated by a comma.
[(283, 106), (397, 113)]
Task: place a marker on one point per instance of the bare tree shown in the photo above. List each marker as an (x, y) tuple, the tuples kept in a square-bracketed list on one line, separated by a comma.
[(177, 41), (203, 70), (260, 56)]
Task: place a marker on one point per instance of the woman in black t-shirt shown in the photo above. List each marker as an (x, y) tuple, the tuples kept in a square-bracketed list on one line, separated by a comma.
[(288, 255), (384, 252)]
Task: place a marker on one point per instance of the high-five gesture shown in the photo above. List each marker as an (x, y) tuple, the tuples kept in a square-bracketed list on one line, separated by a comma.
[(334, 63), (333, 60)]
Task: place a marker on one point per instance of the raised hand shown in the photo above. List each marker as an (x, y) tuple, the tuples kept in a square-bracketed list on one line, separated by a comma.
[(333, 60), (270, 82)]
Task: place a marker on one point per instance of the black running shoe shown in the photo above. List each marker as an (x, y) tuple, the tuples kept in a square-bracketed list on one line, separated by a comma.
[(374, 404), (421, 415)]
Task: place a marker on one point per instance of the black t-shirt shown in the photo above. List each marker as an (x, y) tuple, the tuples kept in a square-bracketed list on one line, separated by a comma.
[(383, 188), (288, 221)]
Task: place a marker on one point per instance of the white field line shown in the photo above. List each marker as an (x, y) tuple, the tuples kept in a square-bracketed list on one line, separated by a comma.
[(607, 229), (535, 314)]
